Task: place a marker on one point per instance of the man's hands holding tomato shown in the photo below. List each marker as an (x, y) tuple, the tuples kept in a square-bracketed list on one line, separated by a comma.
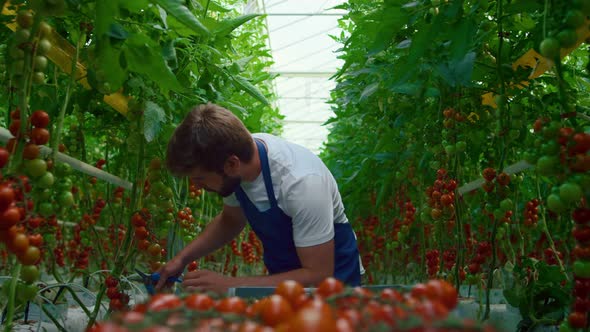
[(206, 280), (197, 280)]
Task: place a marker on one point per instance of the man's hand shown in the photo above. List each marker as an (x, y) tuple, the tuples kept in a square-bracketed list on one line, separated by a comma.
[(207, 281), (172, 269)]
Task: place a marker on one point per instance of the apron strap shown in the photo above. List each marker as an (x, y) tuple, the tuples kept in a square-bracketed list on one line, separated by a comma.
[(266, 173)]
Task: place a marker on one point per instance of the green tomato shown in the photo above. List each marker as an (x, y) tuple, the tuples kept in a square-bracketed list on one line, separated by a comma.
[(550, 47), (40, 63), (450, 149), (43, 47), (506, 205), (567, 38), (555, 204), (65, 199), (29, 273), (574, 18), (546, 165), (581, 269), (570, 193), (46, 180), (22, 36), (46, 194), (498, 214), (46, 209), (26, 292), (461, 146), (36, 167), (550, 148), (38, 77)]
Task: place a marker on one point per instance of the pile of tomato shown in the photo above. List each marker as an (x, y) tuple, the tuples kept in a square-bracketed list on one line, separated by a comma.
[(330, 307)]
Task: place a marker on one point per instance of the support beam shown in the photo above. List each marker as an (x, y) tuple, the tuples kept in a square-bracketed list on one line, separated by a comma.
[(76, 164)]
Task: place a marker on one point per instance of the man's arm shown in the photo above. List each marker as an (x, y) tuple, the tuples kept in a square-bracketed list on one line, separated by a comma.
[(317, 264), (222, 229)]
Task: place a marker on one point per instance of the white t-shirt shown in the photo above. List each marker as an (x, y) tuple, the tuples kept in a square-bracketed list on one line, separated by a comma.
[(304, 188)]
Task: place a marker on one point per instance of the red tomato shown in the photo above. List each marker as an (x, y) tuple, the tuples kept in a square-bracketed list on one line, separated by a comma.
[(391, 295), (3, 157), (311, 320), (30, 256), (232, 304), (132, 317), (40, 136), (161, 302), (198, 302), (577, 319), (275, 310), (36, 240), (9, 217), (6, 196), (40, 119), (330, 286), (291, 290)]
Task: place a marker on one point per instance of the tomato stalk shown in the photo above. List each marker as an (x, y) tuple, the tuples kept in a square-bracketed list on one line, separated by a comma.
[(53, 319), (545, 230), (501, 110), (11, 297), (62, 112)]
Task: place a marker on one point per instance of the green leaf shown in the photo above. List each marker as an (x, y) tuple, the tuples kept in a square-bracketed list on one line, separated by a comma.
[(169, 54), (106, 11), (385, 26), (458, 73), (134, 6), (386, 187), (369, 90), (422, 39), (225, 27), (214, 6), (116, 31), (524, 6), (177, 9), (153, 115), (462, 38), (144, 56), (245, 85)]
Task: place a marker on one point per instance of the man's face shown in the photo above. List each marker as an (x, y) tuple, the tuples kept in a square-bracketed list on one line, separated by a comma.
[(216, 182)]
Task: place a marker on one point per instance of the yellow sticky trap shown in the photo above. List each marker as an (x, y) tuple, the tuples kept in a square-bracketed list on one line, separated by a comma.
[(538, 63), (62, 54)]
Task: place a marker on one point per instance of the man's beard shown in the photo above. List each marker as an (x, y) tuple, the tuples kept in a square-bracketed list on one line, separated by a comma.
[(229, 185)]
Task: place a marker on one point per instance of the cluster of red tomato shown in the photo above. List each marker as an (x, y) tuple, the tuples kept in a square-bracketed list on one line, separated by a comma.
[(99, 164), (146, 240), (432, 262), (332, 307), (531, 212), (578, 318), (441, 197), (118, 299), (483, 252)]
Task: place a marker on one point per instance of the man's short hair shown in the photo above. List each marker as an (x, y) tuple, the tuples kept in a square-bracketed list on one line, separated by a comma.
[(207, 136)]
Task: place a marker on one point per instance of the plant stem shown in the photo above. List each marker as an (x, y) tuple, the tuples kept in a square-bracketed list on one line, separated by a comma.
[(545, 230), (62, 112), (53, 319), (11, 298)]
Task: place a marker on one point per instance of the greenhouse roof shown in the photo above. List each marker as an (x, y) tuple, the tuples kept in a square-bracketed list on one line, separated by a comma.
[(304, 54)]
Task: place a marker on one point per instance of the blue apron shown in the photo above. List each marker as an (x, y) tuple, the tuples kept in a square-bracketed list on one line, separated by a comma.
[(275, 230)]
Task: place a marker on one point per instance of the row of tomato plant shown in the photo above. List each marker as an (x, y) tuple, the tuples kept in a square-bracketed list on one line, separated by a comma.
[(453, 93), (64, 230)]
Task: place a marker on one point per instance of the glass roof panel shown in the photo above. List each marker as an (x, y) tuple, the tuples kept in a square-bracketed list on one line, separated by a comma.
[(305, 58)]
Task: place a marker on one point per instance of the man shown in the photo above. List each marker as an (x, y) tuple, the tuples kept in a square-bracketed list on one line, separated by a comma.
[(285, 192)]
